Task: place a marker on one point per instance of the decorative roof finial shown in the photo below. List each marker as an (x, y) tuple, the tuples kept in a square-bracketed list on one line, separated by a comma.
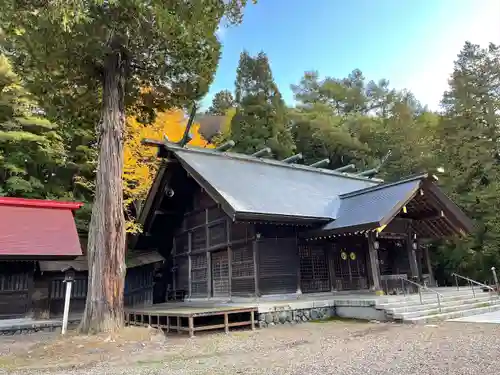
[(292, 159), (372, 172), (225, 146), (262, 152), (186, 136), (345, 168), (320, 163)]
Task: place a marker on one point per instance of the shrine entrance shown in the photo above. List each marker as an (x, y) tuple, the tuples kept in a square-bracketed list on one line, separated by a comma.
[(220, 274), (350, 266)]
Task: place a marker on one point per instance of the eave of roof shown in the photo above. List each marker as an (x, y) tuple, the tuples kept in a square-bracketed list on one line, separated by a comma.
[(39, 203)]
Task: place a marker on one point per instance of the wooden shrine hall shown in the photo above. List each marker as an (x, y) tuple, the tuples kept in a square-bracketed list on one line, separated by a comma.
[(232, 225)]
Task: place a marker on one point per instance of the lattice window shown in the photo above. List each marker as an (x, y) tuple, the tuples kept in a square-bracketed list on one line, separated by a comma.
[(313, 269), (78, 289), (14, 283), (198, 239), (242, 264), (217, 234), (199, 274), (220, 273)]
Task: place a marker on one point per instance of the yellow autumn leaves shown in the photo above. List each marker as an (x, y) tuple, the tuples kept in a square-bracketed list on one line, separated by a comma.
[(141, 162)]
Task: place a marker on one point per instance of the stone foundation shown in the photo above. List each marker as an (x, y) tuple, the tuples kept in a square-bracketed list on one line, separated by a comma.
[(287, 316)]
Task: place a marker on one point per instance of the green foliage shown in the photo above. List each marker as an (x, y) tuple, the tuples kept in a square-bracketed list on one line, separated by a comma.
[(31, 150), (468, 136), (169, 55), (222, 102), (260, 119)]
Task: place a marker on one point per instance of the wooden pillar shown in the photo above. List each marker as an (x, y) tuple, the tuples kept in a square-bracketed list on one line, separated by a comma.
[(209, 257), (412, 255), (429, 265), (230, 268), (190, 281), (331, 264), (299, 277), (40, 296), (255, 248), (374, 262)]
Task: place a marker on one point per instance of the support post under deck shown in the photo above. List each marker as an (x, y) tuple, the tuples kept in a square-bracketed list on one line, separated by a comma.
[(429, 265), (374, 262), (412, 255)]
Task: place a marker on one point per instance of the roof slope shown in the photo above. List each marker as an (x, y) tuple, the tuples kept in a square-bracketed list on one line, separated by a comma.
[(38, 229), (262, 188), (371, 207)]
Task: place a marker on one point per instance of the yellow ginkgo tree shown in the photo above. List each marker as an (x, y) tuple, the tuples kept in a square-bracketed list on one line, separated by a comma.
[(141, 162)]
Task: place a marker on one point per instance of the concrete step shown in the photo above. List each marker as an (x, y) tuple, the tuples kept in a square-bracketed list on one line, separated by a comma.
[(451, 315), (434, 305), (444, 309), (415, 300)]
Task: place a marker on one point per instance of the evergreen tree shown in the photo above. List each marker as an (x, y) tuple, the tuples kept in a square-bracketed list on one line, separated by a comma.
[(106, 52), (469, 134), (221, 103), (260, 119), (31, 150)]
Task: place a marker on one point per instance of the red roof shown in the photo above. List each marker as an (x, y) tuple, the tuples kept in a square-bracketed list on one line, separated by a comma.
[(38, 229), (39, 203)]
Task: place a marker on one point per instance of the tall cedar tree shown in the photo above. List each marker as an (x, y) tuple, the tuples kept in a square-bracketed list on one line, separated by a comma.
[(115, 47), (469, 135), (221, 103), (260, 118)]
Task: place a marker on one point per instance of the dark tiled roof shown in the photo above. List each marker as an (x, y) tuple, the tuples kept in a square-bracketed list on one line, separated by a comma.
[(266, 188), (370, 207), (250, 188)]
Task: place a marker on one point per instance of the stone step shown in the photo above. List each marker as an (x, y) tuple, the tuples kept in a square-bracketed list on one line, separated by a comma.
[(451, 315), (415, 300), (444, 309), (434, 305)]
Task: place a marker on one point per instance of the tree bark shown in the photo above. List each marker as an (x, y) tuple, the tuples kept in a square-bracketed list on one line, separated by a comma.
[(106, 241)]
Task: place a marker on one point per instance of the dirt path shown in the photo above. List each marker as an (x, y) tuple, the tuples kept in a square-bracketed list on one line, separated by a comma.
[(314, 348)]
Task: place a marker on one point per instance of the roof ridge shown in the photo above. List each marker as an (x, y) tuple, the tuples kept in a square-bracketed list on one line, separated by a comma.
[(39, 203), (421, 176), (273, 162)]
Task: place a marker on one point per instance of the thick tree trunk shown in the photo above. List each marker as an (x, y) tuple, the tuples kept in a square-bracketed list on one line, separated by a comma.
[(106, 241)]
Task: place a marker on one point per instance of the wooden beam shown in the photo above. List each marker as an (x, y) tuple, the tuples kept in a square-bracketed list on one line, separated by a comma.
[(412, 256), (230, 268), (190, 281), (429, 265), (209, 257), (255, 249), (374, 262)]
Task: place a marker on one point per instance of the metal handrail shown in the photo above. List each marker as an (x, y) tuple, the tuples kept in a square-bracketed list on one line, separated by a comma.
[(471, 283), (420, 288)]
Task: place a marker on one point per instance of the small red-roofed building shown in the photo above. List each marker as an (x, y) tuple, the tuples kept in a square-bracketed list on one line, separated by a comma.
[(32, 230)]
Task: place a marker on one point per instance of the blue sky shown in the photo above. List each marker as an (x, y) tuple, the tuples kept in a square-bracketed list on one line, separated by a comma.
[(412, 43)]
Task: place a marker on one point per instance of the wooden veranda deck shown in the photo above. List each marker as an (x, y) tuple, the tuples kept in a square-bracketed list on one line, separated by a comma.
[(180, 317)]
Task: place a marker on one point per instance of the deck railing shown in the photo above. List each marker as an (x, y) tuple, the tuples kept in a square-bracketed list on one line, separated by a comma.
[(420, 288), (471, 284)]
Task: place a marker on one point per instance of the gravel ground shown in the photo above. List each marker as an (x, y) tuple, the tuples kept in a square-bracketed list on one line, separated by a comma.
[(342, 348)]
